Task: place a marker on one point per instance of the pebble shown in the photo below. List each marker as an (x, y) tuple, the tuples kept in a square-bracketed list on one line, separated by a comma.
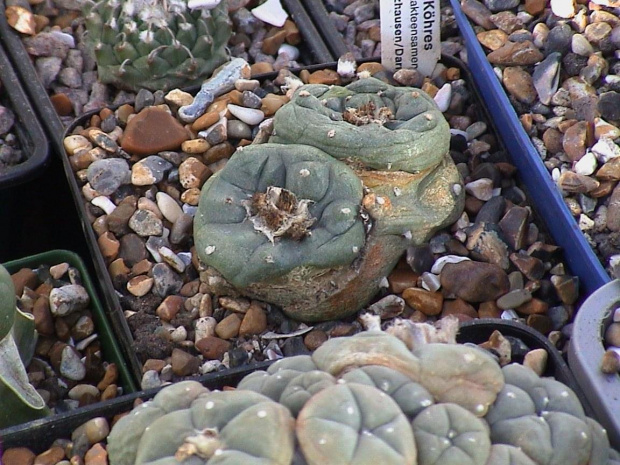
[(151, 131), (106, 176), (169, 207), (71, 366), (474, 281), (149, 171), (536, 360), (150, 380), (68, 299)]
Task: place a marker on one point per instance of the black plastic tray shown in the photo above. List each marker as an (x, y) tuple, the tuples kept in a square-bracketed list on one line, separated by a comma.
[(585, 354), (326, 28), (313, 51), (110, 347), (39, 435)]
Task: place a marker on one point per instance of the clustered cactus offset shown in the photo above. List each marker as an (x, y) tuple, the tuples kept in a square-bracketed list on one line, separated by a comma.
[(156, 44), (367, 399), (315, 218), (19, 401)]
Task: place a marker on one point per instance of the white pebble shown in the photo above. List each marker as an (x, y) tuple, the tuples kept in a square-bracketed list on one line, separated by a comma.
[(430, 281), (179, 334), (481, 188), (249, 116), (586, 165), (64, 37), (605, 149), (168, 207), (271, 12), (585, 223), (203, 4), (172, 259), (442, 261), (104, 203), (291, 52), (443, 97)]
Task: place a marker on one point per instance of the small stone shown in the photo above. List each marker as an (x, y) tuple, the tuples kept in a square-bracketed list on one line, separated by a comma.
[(71, 366), (43, 320), (228, 328), (429, 303), (478, 13), (96, 455), (151, 131), (150, 380), (612, 335), (205, 327), (531, 267), (609, 106), (178, 98), (79, 390), (387, 307), (446, 259), (68, 299), (401, 279), (146, 223), (515, 54), (132, 249), (572, 182), (149, 170), (409, 77), (610, 364), (271, 12), (212, 348), (610, 171), (489, 309), (508, 22), (514, 299), (50, 457), (83, 327), (314, 339), (247, 115), (493, 39), (514, 226), (324, 76), (107, 175), (168, 207), (18, 456), (577, 139), (536, 359), (474, 281), (481, 189), (110, 377), (183, 363), (499, 345), (586, 165), (459, 308), (170, 307), (166, 281), (546, 77), (254, 322), (193, 173), (567, 288), (140, 285)]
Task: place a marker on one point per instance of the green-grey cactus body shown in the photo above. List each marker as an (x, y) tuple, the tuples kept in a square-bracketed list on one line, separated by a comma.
[(156, 44), (384, 127), (366, 400), (19, 401), (209, 428)]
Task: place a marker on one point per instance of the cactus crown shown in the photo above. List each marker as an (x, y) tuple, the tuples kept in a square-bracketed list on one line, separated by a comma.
[(156, 44)]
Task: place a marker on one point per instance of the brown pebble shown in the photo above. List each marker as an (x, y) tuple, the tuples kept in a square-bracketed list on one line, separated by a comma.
[(474, 281), (254, 321), (228, 327), (500, 345), (218, 152), (610, 364), (429, 303), (24, 278), (272, 103), (110, 392), (324, 76), (43, 319), (492, 39), (541, 323), (342, 329), (371, 67), (153, 130), (110, 377), (458, 307), (212, 348), (169, 308), (516, 54), (553, 140), (108, 245), (261, 67), (536, 359), (153, 364), (183, 363), (205, 121), (96, 455), (519, 83), (62, 104), (50, 457), (533, 307), (489, 309), (18, 456), (273, 40), (314, 339), (577, 139), (400, 279)]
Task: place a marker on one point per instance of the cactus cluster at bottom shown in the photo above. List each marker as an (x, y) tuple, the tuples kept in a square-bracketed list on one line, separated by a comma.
[(367, 399)]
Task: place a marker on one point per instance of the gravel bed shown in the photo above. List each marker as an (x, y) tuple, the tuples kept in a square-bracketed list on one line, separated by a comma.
[(509, 269), (559, 66), (69, 73), (68, 369)]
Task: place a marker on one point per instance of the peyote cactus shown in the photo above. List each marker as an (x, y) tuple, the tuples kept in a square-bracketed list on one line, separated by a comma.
[(312, 220), (314, 410), (156, 44), (19, 401)]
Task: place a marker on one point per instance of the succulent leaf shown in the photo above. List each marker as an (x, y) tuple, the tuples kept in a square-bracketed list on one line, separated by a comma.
[(448, 434), (8, 302), (503, 454)]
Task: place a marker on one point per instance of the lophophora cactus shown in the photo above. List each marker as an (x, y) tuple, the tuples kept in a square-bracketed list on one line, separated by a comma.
[(156, 44), (314, 219), (367, 399), (19, 401)]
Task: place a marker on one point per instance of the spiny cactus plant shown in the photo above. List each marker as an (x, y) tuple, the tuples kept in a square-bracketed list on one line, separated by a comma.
[(363, 400), (313, 220), (19, 401), (155, 44)]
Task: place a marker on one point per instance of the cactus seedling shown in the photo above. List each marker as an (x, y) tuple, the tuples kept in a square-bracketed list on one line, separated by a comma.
[(19, 401), (156, 44)]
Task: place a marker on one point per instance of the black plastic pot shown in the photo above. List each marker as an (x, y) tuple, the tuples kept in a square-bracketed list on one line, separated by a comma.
[(549, 203), (585, 354), (34, 146), (110, 347), (313, 50), (39, 435), (327, 30)]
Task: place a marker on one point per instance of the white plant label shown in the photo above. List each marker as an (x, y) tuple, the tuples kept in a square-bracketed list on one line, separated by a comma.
[(410, 36)]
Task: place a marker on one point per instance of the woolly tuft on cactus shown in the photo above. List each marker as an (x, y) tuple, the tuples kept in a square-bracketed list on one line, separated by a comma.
[(156, 44), (19, 401)]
